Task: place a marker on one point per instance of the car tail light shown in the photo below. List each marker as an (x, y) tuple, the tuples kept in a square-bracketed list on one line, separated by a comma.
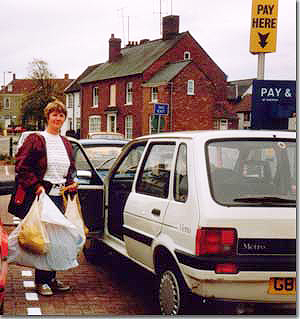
[(216, 241), (226, 268)]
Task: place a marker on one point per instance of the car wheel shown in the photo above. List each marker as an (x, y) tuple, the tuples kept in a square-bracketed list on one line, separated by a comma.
[(172, 292)]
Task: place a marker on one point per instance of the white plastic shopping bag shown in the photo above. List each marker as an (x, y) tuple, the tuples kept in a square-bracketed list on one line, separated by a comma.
[(63, 237), (32, 235), (73, 214)]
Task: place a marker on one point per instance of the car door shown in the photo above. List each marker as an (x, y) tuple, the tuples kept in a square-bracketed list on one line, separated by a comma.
[(120, 185), (90, 190), (147, 203)]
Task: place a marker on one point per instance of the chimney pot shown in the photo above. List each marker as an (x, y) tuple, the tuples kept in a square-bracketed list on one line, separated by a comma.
[(170, 27), (14, 76), (66, 76)]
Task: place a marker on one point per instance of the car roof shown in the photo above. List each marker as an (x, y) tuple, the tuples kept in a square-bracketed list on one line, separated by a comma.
[(102, 141), (211, 134)]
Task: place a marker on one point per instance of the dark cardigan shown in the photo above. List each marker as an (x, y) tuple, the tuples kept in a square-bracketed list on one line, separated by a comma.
[(31, 162)]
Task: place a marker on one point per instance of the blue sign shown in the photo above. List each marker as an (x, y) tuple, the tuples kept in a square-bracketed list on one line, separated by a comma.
[(161, 109), (273, 102)]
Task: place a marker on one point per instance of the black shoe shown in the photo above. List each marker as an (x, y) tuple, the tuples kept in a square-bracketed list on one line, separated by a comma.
[(57, 285)]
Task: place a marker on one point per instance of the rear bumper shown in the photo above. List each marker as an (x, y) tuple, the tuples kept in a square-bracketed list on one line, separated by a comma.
[(249, 284)]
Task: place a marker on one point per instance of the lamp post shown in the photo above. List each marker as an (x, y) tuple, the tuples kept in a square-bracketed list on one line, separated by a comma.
[(4, 76)]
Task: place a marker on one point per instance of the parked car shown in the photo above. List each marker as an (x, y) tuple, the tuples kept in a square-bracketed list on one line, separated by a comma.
[(22, 138), (108, 135), (211, 213), (101, 152), (19, 129)]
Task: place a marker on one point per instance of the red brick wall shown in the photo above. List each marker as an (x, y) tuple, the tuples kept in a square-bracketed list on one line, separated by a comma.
[(104, 101)]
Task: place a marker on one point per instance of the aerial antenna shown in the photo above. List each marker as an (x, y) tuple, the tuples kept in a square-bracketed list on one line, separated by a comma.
[(123, 23), (160, 15)]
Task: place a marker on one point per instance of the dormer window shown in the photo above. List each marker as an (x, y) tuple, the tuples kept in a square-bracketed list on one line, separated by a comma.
[(9, 88), (187, 55)]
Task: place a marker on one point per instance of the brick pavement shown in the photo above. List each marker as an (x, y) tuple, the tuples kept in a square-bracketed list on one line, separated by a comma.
[(96, 290)]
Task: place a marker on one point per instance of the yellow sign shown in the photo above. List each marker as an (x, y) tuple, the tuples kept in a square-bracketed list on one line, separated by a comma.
[(263, 26)]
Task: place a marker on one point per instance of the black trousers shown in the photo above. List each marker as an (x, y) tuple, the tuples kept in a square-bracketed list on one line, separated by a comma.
[(45, 276)]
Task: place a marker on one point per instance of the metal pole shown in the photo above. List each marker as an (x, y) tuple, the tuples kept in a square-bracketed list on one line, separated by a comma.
[(158, 124), (261, 66)]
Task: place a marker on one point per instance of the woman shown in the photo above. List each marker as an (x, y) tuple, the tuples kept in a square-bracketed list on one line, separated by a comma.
[(45, 163)]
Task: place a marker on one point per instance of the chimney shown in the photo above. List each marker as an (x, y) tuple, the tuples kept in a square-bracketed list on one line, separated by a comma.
[(66, 76), (114, 48), (170, 27), (144, 41), (14, 76)]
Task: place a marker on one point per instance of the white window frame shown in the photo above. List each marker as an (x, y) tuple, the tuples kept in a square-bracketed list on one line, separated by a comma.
[(95, 96), (129, 93), (154, 94), (187, 55), (190, 87), (112, 123), (6, 103), (112, 93), (223, 124), (70, 100), (129, 126), (94, 123)]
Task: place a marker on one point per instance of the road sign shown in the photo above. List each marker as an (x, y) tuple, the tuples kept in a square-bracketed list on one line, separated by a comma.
[(161, 108), (263, 26)]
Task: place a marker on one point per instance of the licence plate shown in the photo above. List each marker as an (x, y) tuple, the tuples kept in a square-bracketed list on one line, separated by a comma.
[(282, 286)]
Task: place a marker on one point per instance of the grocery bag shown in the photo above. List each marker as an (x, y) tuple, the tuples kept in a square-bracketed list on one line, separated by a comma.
[(32, 235), (63, 237), (73, 214)]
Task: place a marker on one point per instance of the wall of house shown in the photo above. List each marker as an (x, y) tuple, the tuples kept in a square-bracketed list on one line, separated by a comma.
[(104, 104), (211, 71)]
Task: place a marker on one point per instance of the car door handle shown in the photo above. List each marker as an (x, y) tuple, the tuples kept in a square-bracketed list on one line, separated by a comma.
[(155, 211)]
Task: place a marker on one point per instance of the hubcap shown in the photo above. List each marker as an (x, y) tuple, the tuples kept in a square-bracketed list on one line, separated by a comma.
[(169, 294)]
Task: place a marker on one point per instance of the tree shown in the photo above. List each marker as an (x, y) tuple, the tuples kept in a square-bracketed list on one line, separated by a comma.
[(45, 89)]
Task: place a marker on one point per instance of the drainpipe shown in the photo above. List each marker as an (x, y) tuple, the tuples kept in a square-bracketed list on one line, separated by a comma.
[(171, 106)]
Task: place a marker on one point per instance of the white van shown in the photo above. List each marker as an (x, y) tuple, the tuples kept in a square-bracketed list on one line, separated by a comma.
[(208, 212)]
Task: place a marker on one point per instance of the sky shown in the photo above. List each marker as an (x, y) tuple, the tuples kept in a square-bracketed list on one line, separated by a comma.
[(70, 35)]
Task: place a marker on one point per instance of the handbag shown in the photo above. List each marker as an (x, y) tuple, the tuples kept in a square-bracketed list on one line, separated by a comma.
[(20, 200)]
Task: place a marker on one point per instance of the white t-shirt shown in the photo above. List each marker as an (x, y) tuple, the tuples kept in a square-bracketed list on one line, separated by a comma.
[(58, 161)]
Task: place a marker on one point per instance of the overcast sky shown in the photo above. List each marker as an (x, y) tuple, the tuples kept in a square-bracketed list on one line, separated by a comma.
[(71, 35)]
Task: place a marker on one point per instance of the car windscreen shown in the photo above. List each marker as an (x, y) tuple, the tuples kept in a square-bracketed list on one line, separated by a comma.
[(100, 156), (255, 172)]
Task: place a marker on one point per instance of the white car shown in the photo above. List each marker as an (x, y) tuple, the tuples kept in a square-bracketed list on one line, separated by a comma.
[(22, 138), (208, 212)]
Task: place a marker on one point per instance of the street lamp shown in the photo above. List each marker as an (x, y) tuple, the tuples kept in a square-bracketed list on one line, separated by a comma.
[(4, 76)]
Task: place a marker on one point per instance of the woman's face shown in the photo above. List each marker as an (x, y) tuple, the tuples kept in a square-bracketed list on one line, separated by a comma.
[(56, 120)]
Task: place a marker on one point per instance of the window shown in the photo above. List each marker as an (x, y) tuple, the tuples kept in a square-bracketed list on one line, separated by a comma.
[(70, 100), (223, 124), (6, 103), (78, 123), (128, 126), (129, 93), (154, 95), (112, 123), (9, 88), (94, 123), (187, 55), (95, 96), (190, 87), (180, 176), (113, 95), (155, 173)]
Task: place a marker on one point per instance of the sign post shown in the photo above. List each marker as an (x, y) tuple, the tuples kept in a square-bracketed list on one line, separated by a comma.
[(263, 31), (160, 109)]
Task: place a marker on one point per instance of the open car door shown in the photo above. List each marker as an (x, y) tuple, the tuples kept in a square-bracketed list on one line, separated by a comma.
[(90, 190)]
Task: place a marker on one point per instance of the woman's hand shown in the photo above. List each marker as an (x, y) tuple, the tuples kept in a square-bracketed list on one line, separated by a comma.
[(72, 188), (40, 189)]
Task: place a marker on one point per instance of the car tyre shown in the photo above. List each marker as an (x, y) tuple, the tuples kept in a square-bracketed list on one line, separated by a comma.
[(2, 308), (173, 293)]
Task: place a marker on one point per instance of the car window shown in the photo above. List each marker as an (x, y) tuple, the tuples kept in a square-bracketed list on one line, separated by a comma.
[(181, 175), (154, 176), (243, 171), (129, 164)]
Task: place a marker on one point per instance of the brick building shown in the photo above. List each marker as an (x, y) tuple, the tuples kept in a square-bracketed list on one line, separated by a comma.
[(11, 97), (119, 95)]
